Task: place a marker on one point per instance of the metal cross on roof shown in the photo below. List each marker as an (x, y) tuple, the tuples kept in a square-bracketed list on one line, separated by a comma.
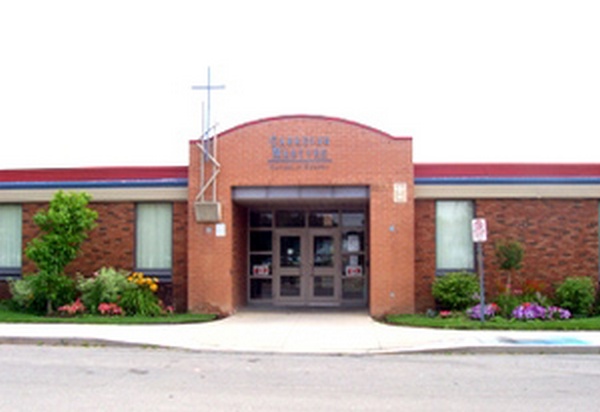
[(208, 87)]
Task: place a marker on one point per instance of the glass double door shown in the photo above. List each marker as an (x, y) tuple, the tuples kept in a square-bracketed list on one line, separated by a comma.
[(307, 267)]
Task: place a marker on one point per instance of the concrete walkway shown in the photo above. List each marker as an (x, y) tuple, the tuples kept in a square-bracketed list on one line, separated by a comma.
[(303, 332)]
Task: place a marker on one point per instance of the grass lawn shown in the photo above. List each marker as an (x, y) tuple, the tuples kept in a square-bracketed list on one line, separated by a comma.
[(462, 322), (10, 316)]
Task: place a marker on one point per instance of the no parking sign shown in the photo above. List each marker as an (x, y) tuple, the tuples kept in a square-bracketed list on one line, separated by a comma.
[(479, 230)]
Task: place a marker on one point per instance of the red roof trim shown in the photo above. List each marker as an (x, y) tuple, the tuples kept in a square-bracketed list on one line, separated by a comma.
[(94, 174), (425, 170)]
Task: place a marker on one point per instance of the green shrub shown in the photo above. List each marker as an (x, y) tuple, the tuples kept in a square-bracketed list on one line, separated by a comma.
[(456, 291), (140, 301), (577, 295), (140, 298), (106, 286), (21, 291), (34, 293)]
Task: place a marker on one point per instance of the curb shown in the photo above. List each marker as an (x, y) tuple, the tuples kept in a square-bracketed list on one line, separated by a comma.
[(457, 350), (511, 350), (82, 342)]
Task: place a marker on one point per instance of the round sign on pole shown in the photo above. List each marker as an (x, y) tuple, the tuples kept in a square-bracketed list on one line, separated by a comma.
[(479, 230)]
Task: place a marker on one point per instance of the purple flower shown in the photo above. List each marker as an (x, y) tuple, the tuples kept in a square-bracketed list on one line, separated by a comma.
[(489, 312), (554, 312), (529, 311)]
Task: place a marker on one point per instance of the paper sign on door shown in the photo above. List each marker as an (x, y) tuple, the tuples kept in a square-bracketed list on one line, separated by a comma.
[(353, 271), (260, 270)]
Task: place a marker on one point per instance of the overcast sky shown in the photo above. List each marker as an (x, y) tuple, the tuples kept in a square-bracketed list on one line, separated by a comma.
[(102, 83)]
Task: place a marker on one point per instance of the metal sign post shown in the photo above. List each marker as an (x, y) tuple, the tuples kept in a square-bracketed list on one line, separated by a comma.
[(479, 233)]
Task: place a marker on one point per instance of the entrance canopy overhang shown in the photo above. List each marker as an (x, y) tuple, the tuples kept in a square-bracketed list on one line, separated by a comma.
[(326, 195)]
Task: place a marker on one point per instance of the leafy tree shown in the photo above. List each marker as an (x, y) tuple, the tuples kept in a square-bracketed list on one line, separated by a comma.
[(509, 255), (64, 226)]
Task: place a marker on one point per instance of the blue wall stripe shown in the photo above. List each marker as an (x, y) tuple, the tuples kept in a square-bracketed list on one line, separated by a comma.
[(96, 184)]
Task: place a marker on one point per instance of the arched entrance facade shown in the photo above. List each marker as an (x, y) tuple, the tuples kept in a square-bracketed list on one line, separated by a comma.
[(313, 211)]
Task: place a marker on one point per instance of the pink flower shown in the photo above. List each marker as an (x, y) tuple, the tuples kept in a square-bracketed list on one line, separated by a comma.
[(445, 313), (72, 309), (110, 309)]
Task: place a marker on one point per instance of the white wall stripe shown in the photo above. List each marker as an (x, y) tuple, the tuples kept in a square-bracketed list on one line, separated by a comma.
[(164, 194), (512, 191)]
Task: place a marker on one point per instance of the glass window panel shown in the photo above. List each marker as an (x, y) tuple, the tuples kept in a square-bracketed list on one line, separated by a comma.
[(261, 241), (11, 223), (261, 219), (289, 251), (154, 236), (323, 251), (261, 289), (353, 219), (286, 218), (324, 219), (353, 288), (323, 286), (454, 246), (289, 286)]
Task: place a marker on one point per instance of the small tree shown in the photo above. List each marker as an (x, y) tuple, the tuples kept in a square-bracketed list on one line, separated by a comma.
[(64, 226), (509, 255)]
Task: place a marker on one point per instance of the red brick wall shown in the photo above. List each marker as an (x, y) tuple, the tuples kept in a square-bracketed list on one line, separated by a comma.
[(424, 254), (180, 250), (4, 290), (359, 156), (560, 238), (239, 231), (112, 243)]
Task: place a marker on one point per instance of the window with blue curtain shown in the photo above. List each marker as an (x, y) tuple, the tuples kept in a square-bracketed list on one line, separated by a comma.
[(11, 223), (453, 242), (154, 239)]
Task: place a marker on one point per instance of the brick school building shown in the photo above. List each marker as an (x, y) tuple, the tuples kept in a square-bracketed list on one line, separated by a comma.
[(311, 211)]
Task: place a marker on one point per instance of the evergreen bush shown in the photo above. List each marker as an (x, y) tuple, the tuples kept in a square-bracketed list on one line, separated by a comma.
[(456, 290), (576, 294)]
